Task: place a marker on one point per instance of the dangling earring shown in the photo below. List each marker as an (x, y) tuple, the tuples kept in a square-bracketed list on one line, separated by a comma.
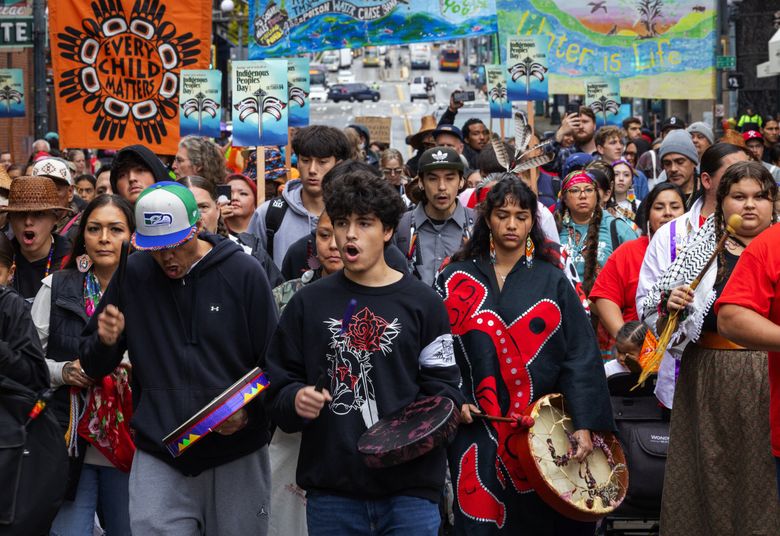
[(492, 250), (83, 263), (529, 252)]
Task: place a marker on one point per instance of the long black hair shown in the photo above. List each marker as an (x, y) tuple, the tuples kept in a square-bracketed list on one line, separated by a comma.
[(735, 173), (643, 214), (508, 186), (100, 201)]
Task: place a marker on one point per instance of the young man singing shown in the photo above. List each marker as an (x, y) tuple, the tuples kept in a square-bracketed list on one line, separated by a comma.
[(378, 340)]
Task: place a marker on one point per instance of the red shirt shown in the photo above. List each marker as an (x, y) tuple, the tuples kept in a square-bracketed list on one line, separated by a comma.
[(755, 284), (619, 278)]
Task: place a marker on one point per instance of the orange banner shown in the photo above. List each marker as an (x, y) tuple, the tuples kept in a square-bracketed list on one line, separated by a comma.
[(116, 68)]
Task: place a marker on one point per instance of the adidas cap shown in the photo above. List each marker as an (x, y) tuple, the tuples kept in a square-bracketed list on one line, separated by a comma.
[(440, 158), (166, 215)]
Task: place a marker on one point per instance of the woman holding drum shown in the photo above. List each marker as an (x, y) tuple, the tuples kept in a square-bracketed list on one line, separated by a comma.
[(720, 475), (520, 333)]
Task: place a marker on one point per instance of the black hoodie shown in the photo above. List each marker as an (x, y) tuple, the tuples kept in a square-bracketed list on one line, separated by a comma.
[(137, 155), (188, 340)]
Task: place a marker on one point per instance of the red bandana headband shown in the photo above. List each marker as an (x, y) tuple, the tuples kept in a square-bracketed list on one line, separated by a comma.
[(577, 177)]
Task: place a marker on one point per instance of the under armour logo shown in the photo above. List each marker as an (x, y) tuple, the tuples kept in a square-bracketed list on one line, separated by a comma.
[(215, 308), (439, 156)]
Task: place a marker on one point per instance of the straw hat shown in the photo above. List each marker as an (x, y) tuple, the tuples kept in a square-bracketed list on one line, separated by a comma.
[(5, 179), (427, 126), (32, 194)]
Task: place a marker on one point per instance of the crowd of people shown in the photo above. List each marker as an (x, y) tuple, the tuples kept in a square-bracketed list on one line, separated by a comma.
[(366, 281)]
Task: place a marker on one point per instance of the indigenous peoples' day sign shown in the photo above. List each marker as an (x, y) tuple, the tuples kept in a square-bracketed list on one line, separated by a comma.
[(602, 95), (298, 88), (260, 105), (11, 93), (662, 50), (527, 68), (199, 103), (116, 68), (286, 28), (498, 100)]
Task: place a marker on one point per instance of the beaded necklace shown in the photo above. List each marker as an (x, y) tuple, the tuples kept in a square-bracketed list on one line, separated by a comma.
[(48, 264), (92, 293)]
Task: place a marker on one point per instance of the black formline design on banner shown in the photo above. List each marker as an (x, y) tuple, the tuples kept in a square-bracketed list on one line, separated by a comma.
[(129, 68)]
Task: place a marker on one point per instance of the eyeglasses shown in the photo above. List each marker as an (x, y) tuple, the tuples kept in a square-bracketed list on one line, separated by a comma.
[(576, 192), (396, 171)]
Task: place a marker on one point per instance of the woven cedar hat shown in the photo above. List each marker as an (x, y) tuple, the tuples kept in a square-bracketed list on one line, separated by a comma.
[(33, 194), (5, 179)]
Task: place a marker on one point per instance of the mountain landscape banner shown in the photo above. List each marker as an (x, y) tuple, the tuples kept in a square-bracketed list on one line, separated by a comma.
[(116, 69), (289, 27), (658, 49)]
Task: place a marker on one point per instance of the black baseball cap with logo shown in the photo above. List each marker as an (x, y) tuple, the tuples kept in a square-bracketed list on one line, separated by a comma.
[(671, 123), (440, 158)]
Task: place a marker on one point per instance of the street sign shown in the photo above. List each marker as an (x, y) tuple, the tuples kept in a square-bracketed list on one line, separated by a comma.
[(734, 81), (16, 32), (727, 63)]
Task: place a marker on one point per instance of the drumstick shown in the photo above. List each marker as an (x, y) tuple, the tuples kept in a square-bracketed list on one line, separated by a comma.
[(347, 318), (493, 417), (522, 420)]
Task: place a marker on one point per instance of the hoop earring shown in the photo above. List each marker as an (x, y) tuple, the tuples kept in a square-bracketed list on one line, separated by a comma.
[(492, 249), (529, 252)]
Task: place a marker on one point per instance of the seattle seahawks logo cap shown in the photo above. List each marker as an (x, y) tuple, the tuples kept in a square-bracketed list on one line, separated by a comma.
[(166, 215)]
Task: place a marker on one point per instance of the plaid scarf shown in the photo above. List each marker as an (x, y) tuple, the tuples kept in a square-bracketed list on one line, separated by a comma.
[(688, 265)]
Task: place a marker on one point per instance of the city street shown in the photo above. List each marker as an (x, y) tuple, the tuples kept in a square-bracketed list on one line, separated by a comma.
[(394, 100)]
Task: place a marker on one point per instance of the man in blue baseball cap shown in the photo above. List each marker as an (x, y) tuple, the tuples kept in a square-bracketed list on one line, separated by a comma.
[(195, 314)]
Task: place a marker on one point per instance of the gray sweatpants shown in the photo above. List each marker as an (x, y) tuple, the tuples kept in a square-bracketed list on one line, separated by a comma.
[(230, 499)]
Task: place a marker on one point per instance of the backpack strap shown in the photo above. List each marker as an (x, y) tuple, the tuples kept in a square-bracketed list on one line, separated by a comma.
[(614, 234), (273, 221)]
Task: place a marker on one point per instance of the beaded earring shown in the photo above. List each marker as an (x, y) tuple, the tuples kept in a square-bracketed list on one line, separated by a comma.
[(492, 250), (529, 252), (83, 263)]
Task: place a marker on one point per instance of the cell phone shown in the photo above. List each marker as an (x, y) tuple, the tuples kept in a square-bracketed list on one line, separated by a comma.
[(463, 96), (573, 108), (223, 190)]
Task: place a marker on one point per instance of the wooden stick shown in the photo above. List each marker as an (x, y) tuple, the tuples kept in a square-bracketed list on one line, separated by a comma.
[(260, 175), (493, 418)]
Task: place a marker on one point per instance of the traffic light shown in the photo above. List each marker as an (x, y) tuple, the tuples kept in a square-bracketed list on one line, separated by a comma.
[(735, 81)]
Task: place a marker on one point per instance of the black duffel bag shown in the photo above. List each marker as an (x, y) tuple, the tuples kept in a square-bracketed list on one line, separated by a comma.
[(33, 463)]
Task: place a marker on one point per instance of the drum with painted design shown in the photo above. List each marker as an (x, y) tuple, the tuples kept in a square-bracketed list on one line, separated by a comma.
[(584, 491), (410, 432)]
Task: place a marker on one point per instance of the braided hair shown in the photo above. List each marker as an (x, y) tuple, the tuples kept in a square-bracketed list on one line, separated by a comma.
[(591, 246)]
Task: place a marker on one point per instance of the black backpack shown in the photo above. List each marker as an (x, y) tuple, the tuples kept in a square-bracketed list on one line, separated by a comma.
[(33, 463)]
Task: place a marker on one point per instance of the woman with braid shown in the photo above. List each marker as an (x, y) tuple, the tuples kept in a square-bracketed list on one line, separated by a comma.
[(589, 234), (720, 474)]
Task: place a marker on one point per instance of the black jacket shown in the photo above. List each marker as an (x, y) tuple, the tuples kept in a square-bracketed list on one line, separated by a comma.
[(66, 322), (21, 356), (189, 339), (258, 252)]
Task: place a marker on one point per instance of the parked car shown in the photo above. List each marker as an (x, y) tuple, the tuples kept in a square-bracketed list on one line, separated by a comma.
[(418, 87), (345, 77), (352, 93), (318, 94)]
